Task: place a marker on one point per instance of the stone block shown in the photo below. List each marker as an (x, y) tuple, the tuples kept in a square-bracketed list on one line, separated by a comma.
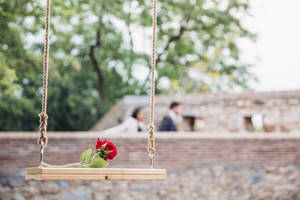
[(78, 193), (290, 116)]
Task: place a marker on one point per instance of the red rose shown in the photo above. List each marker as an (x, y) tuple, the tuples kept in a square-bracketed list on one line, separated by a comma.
[(110, 147), (99, 144)]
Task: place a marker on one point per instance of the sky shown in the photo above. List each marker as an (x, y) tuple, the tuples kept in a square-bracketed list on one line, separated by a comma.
[(276, 54)]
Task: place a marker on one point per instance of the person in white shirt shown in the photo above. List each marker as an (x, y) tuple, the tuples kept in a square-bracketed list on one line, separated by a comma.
[(132, 124)]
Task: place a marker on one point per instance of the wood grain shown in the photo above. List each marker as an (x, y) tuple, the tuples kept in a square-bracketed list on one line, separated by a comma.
[(36, 173)]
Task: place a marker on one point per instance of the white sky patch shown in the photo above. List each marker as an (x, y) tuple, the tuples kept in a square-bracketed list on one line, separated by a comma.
[(29, 21), (140, 72), (74, 52), (119, 67), (142, 39), (197, 75), (34, 39), (257, 120), (77, 39), (60, 54), (121, 25), (91, 18), (75, 20), (276, 53), (164, 83)]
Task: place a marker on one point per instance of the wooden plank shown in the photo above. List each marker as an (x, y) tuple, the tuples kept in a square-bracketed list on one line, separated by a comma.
[(93, 171), (94, 177), (36, 173)]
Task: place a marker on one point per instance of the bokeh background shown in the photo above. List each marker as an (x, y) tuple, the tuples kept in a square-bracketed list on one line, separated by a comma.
[(232, 64)]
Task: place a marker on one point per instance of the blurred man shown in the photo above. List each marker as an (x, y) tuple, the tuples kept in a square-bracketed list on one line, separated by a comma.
[(169, 122)]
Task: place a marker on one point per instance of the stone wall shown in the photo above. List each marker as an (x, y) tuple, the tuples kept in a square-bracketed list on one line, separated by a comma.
[(221, 112), (201, 183), (229, 166)]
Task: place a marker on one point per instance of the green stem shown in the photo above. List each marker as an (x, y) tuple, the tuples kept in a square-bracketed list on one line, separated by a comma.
[(61, 166), (94, 156)]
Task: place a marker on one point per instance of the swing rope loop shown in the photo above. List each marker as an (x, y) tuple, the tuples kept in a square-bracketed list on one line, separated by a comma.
[(42, 140), (43, 115), (151, 143)]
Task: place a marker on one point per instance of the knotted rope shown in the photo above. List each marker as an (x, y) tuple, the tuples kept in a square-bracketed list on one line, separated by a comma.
[(151, 142), (42, 140)]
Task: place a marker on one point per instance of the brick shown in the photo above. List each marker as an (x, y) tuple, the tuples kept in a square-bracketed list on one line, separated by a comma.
[(177, 150)]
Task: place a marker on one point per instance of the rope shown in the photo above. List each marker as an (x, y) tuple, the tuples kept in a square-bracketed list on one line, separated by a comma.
[(151, 143), (43, 115)]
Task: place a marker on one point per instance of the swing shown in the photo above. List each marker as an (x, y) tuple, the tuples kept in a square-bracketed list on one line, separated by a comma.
[(44, 173)]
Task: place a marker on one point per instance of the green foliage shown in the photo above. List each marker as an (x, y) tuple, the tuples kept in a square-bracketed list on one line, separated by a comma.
[(98, 163), (8, 78), (86, 156), (94, 56)]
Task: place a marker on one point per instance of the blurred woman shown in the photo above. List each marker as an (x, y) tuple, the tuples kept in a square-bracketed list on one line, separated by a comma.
[(132, 124)]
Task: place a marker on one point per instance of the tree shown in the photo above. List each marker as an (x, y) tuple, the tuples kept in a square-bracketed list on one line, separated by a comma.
[(201, 53), (18, 68), (94, 55)]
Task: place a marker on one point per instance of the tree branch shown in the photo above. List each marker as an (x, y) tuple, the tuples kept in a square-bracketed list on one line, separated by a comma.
[(171, 39), (165, 49), (131, 43), (96, 65)]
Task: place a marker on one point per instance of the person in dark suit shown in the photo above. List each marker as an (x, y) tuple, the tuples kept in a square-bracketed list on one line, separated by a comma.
[(169, 122)]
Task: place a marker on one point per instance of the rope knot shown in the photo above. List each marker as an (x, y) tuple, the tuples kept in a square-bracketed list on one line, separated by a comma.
[(43, 116), (43, 128), (151, 138), (43, 139), (151, 127)]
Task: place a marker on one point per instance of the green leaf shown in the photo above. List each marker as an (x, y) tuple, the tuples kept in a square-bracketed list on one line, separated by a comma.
[(86, 156), (107, 152), (98, 163), (103, 147)]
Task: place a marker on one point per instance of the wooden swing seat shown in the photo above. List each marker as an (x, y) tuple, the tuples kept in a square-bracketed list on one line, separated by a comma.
[(36, 173)]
